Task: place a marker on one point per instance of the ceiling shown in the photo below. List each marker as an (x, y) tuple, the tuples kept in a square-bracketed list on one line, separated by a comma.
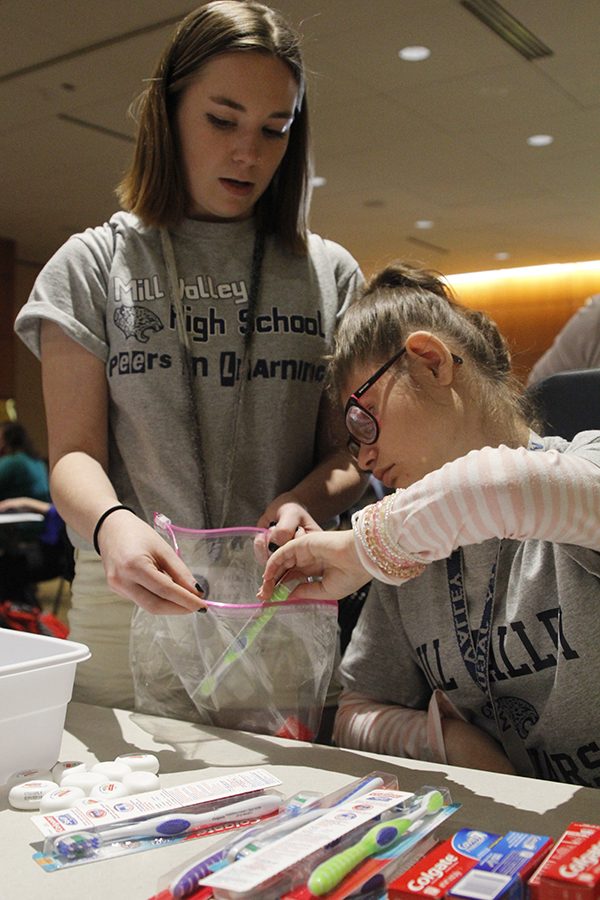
[(442, 140)]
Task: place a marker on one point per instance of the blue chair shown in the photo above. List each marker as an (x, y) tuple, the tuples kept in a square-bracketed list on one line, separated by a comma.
[(568, 402)]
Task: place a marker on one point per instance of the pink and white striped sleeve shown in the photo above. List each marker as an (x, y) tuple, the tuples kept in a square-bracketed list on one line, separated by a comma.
[(492, 492), (365, 724)]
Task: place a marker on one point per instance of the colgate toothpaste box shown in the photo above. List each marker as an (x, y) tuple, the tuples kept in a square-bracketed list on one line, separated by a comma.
[(574, 835), (504, 869), (443, 866), (575, 876)]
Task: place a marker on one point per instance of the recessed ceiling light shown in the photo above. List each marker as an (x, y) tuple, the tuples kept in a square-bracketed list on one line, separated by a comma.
[(539, 140), (502, 254), (318, 181), (414, 53), (424, 224)]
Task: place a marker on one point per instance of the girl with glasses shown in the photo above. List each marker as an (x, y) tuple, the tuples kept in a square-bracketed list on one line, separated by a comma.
[(182, 342), (478, 643)]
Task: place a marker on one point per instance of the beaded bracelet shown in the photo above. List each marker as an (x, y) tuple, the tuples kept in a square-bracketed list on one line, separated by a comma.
[(100, 522), (370, 524)]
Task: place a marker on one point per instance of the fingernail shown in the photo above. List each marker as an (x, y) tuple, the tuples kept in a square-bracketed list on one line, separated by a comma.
[(271, 524), (202, 586), (202, 609), (273, 546)]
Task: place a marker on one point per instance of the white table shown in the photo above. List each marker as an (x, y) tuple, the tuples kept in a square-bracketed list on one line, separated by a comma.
[(189, 752)]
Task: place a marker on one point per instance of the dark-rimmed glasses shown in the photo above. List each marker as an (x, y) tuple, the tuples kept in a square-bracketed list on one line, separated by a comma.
[(361, 425)]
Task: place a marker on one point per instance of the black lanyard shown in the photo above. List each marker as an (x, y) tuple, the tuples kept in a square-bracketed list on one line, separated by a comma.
[(474, 652), (211, 520)]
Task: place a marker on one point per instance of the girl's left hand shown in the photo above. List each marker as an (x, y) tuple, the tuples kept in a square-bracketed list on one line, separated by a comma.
[(330, 557), (469, 746), (285, 517)]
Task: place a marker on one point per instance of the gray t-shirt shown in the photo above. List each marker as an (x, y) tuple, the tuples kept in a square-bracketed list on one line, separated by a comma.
[(543, 659), (108, 289)]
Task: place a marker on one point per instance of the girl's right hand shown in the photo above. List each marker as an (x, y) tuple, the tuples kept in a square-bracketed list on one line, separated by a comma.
[(140, 566), (326, 559)]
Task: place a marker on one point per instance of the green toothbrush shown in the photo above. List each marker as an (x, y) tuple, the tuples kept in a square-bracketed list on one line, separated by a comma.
[(242, 641), (329, 873)]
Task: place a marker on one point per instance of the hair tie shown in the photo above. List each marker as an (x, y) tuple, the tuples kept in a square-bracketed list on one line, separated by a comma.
[(100, 522)]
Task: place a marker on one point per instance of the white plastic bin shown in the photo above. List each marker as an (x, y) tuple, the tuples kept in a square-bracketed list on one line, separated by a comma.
[(36, 684)]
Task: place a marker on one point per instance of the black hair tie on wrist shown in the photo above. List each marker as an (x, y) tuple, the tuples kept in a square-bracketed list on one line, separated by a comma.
[(100, 522)]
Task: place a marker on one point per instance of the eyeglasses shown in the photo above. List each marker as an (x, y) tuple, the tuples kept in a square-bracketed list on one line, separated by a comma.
[(361, 425)]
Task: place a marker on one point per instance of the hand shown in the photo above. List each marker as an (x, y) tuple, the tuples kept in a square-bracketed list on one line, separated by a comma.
[(283, 517), (141, 566), (328, 555), (470, 747)]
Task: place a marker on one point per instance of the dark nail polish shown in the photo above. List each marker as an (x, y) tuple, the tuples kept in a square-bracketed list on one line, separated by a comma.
[(273, 546), (202, 586), (202, 609)]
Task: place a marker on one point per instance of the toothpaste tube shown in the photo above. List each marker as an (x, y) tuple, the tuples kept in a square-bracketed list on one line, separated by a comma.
[(573, 836), (502, 873), (442, 867), (575, 876)]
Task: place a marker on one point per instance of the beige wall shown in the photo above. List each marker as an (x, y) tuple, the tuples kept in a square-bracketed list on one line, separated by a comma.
[(7, 310), (530, 306)]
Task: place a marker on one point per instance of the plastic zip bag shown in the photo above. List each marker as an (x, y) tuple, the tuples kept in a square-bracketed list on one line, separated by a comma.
[(247, 665)]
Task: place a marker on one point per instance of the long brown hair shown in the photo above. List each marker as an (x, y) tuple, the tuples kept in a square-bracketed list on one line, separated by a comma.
[(153, 188), (16, 439)]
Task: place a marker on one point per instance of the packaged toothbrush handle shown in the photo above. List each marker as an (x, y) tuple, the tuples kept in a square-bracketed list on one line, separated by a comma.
[(329, 873), (242, 642), (298, 810), (186, 882), (174, 824)]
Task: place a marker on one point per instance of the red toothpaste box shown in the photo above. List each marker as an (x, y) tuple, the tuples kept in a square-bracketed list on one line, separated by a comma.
[(572, 837), (445, 864), (505, 868), (575, 876)]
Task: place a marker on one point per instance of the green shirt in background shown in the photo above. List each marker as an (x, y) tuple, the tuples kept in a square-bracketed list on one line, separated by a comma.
[(23, 476)]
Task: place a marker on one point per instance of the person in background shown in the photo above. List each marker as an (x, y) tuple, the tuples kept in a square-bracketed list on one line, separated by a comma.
[(53, 524), (479, 642), (22, 471), (46, 555), (182, 343), (576, 346)]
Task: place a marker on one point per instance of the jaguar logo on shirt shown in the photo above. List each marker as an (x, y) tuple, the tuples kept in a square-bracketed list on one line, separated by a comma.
[(514, 712), (137, 322)]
